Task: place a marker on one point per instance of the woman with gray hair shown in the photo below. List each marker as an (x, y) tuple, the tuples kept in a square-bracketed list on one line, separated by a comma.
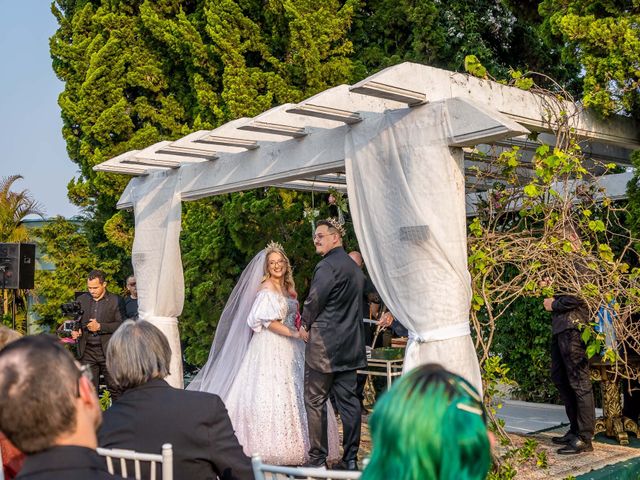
[(137, 354), (150, 412)]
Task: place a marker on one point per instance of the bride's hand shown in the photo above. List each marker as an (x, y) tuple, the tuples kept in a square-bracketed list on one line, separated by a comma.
[(295, 334)]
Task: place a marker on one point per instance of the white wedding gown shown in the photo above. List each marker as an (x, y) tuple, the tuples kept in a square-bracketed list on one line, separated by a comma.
[(266, 399)]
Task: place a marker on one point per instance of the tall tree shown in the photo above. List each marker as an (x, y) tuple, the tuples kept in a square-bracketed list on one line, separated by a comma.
[(137, 72), (604, 37), (64, 244), (501, 34)]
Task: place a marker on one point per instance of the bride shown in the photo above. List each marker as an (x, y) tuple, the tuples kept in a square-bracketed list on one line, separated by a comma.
[(256, 364)]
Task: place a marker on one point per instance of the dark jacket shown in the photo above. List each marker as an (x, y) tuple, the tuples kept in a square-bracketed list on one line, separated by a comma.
[(196, 424), (107, 313), (66, 463), (128, 308), (566, 312), (333, 315)]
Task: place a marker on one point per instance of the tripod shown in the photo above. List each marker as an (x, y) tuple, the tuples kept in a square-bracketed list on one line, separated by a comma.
[(3, 269)]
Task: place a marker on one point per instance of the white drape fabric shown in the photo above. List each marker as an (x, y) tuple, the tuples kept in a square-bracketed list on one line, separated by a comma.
[(407, 200), (156, 259)]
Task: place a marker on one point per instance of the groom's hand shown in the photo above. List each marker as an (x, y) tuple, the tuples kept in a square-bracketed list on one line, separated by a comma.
[(304, 335)]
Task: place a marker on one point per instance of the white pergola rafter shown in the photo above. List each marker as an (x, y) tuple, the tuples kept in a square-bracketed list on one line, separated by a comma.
[(302, 146), (326, 116)]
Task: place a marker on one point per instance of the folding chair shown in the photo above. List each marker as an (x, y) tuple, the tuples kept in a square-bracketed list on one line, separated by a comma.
[(165, 459), (263, 471), (1, 467)]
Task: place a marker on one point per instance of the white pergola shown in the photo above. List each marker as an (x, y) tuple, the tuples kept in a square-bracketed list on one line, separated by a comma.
[(333, 139)]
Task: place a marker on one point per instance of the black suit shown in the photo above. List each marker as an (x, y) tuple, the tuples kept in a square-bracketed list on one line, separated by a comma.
[(333, 317), (569, 365), (92, 347), (196, 424), (65, 463)]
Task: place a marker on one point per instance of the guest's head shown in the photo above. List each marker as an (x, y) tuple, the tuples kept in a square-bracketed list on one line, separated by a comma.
[(131, 286), (431, 425), (137, 353), (96, 284), (278, 267), (328, 235), (357, 258), (7, 336), (45, 399)]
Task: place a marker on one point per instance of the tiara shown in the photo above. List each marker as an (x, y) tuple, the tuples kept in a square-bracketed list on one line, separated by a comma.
[(274, 246), (337, 225)]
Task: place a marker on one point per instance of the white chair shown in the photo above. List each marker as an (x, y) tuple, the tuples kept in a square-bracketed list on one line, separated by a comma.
[(263, 471), (1, 467), (165, 459)]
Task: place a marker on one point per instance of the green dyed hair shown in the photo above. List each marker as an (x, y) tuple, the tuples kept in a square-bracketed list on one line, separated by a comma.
[(430, 426)]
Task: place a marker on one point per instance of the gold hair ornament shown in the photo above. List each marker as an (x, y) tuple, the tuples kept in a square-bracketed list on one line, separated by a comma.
[(274, 246), (337, 225)]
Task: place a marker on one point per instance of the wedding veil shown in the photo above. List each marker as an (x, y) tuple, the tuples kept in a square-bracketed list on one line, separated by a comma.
[(233, 334)]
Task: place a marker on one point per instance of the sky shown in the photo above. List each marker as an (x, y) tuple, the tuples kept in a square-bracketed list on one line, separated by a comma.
[(30, 124)]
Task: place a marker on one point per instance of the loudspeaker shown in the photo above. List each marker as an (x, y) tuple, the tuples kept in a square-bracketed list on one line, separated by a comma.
[(17, 265)]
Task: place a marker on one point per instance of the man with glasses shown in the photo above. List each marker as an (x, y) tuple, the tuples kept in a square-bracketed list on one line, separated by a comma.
[(129, 304), (333, 329), (50, 411)]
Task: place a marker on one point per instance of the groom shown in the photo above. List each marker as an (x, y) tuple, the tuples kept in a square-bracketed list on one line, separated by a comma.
[(333, 329)]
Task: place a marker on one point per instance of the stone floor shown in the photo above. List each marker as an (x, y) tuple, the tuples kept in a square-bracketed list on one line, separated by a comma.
[(522, 419), (573, 466)]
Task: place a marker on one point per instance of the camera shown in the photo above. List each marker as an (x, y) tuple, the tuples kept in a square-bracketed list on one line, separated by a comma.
[(71, 309)]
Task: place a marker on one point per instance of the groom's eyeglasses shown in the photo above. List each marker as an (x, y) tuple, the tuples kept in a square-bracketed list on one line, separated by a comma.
[(320, 236)]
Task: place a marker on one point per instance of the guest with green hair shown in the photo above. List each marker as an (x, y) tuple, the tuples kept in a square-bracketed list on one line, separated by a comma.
[(431, 425)]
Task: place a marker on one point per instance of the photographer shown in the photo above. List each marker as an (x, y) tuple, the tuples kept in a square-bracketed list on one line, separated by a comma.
[(100, 318)]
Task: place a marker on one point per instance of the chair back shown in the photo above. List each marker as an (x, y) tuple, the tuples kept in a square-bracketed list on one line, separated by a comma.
[(1, 466), (263, 471), (165, 460)]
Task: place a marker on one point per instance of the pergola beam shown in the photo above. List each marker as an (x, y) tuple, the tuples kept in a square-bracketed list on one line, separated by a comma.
[(532, 110)]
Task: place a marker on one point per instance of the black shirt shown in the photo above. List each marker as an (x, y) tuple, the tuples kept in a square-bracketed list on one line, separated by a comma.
[(129, 308), (65, 463), (105, 311)]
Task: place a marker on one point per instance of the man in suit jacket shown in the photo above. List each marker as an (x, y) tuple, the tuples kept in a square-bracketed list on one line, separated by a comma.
[(150, 412), (100, 318), (333, 329)]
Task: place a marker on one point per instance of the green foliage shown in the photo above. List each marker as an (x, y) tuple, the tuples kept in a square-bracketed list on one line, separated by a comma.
[(105, 400), (495, 373), (604, 37), (505, 471), (473, 66), (499, 35), (64, 245), (14, 207), (632, 219), (137, 72), (523, 341)]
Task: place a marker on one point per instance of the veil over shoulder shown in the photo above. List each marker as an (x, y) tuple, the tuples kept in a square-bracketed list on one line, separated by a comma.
[(233, 334)]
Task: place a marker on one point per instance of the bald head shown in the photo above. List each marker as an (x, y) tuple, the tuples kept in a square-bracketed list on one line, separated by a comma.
[(356, 257)]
